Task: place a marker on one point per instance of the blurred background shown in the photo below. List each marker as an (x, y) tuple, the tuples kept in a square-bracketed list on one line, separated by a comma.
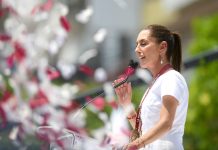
[(56, 55)]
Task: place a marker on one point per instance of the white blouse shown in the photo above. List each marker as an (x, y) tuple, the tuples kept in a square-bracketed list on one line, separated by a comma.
[(170, 83)]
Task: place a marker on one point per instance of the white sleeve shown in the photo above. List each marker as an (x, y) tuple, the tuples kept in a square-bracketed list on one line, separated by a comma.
[(173, 85)]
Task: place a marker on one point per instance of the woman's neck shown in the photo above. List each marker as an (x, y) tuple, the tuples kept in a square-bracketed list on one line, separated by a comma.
[(159, 69)]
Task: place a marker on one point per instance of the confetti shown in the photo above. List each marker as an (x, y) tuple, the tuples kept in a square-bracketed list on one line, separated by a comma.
[(65, 23), (100, 75), (87, 55), (5, 37), (100, 35), (84, 16)]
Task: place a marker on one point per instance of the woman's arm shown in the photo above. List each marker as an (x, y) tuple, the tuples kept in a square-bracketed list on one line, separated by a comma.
[(164, 124), (124, 95), (131, 116)]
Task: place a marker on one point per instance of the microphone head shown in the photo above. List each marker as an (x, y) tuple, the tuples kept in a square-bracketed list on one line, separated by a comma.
[(133, 64), (131, 68)]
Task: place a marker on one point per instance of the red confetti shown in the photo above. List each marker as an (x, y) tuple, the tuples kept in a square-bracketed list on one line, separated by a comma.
[(73, 106), (3, 117), (19, 53), (65, 23), (5, 37), (39, 100), (52, 73), (86, 69), (5, 97), (1, 12)]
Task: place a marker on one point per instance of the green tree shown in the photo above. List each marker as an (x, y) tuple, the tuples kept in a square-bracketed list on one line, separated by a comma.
[(202, 124)]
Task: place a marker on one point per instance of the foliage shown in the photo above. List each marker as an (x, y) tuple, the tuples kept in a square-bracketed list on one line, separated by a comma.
[(201, 131)]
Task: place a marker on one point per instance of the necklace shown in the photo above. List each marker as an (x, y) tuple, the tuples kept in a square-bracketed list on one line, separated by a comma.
[(138, 123)]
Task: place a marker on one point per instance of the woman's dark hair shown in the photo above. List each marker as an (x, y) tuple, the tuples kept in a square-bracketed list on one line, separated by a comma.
[(174, 49)]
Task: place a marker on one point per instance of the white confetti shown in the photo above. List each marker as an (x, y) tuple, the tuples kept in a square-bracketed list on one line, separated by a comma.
[(13, 133), (87, 55), (100, 35), (84, 15), (67, 70), (100, 75)]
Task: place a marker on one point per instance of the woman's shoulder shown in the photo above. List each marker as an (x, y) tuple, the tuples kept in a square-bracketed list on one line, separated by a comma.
[(173, 75)]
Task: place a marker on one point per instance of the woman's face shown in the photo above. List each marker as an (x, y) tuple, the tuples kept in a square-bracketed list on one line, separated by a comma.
[(147, 50)]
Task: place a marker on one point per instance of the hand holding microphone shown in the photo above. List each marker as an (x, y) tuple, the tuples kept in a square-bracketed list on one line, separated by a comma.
[(124, 89)]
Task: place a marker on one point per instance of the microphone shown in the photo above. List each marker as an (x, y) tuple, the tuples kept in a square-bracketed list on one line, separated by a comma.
[(128, 72)]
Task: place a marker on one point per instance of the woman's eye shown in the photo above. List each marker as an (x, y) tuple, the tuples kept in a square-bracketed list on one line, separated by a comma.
[(142, 44)]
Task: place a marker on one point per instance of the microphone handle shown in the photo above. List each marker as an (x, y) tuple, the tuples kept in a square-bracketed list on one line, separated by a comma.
[(101, 92), (120, 83)]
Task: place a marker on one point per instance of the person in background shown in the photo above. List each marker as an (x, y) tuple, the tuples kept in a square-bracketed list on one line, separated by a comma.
[(158, 123)]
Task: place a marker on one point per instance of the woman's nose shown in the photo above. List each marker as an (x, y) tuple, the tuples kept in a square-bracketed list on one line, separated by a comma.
[(137, 48)]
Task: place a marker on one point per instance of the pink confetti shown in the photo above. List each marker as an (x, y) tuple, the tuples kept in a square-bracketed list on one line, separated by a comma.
[(99, 103), (44, 7), (47, 6), (65, 23)]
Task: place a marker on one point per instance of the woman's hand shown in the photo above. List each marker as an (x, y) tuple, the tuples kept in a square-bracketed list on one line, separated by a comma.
[(124, 93)]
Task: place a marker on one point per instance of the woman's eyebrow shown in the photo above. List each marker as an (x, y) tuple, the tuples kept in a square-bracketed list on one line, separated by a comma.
[(142, 40)]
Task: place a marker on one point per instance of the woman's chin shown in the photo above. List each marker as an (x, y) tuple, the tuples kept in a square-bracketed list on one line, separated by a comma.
[(142, 65)]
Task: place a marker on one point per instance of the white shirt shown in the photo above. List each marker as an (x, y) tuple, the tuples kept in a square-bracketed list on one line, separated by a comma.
[(170, 83)]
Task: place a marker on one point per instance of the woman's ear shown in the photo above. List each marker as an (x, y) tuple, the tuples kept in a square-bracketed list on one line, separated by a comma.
[(163, 47)]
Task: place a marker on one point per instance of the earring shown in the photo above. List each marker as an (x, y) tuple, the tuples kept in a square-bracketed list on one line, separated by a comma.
[(161, 61)]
